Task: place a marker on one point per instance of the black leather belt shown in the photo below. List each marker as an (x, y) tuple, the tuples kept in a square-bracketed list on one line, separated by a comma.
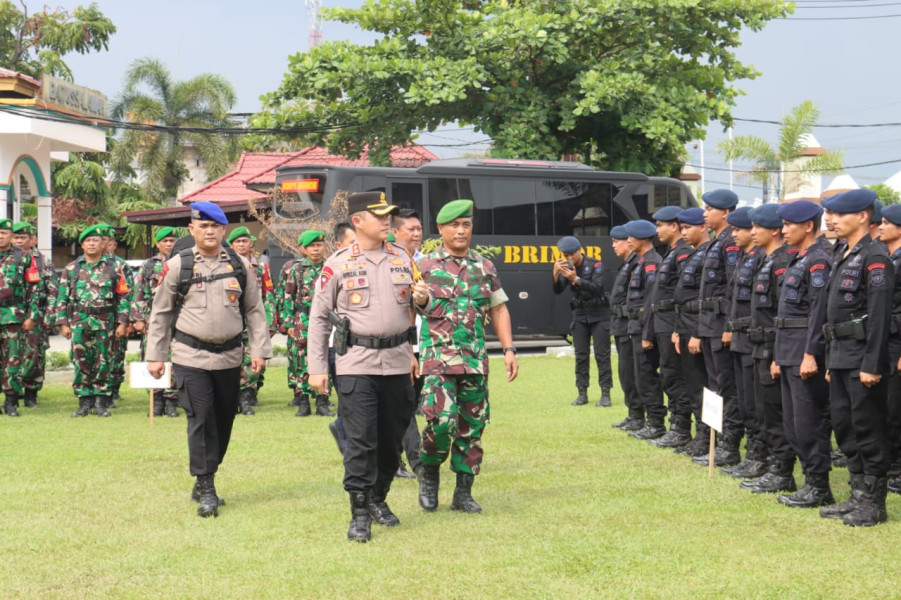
[(761, 335), (199, 344), (94, 310), (618, 310), (791, 322), (635, 313), (693, 307), (714, 304), (849, 329), (741, 324), (380, 343), (663, 306)]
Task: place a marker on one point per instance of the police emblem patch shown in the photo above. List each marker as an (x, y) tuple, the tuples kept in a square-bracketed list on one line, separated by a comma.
[(849, 297), (818, 280), (232, 296), (356, 298), (350, 284)]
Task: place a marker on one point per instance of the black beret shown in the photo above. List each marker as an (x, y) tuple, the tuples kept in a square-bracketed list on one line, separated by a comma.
[(722, 199), (766, 215), (691, 216), (852, 201), (641, 229)]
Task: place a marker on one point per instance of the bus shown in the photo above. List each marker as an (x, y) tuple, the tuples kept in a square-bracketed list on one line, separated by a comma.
[(522, 207)]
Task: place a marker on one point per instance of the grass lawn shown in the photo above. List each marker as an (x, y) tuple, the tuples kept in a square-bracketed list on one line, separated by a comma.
[(572, 509)]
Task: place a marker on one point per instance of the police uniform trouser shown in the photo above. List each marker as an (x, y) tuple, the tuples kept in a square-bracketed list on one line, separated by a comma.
[(858, 416), (626, 371), (647, 379), (804, 413), (598, 332), (376, 411), (695, 373), (672, 376), (718, 359), (210, 401), (744, 388), (768, 393)]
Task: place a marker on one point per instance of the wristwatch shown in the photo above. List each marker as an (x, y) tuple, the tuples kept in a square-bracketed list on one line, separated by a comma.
[(577, 281), (510, 349)]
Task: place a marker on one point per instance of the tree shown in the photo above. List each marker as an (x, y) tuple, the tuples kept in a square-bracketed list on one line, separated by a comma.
[(36, 43), (622, 83), (151, 97), (885, 194), (773, 163)]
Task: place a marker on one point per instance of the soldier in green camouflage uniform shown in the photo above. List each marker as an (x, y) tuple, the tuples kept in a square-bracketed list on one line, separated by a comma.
[(119, 346), (146, 282), (35, 342), (242, 242), (290, 344), (92, 307), (18, 314), (297, 298), (465, 292)]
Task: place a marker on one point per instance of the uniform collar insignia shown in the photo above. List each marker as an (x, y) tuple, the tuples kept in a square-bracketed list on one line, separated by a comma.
[(355, 249), (390, 248)]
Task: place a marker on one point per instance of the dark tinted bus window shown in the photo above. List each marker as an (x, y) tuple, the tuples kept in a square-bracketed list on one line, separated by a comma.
[(444, 190), (407, 195), (305, 201), (368, 183), (574, 208), (511, 203)]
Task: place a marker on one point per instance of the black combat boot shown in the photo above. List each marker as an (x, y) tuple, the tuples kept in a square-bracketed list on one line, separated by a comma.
[(894, 485), (159, 404), (31, 398), (725, 454), (605, 398), (378, 508), (582, 398), (10, 407), (342, 443), (429, 479), (653, 429), (837, 511), (295, 399), (171, 408), (322, 409), (635, 422), (700, 445), (360, 521), (254, 401), (100, 406), (778, 478), (754, 465), (870, 509), (209, 501), (114, 397), (195, 493), (303, 405), (84, 406), (620, 424), (839, 460), (815, 492), (402, 471), (244, 402), (463, 495), (678, 435)]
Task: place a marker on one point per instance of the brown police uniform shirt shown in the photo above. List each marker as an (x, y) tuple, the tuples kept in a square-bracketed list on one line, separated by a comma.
[(371, 289), (210, 312)]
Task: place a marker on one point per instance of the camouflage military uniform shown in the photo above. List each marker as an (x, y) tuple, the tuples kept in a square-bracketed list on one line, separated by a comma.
[(297, 298), (36, 342), (119, 346), (279, 312), (91, 306), (250, 381), (146, 282), (17, 304), (454, 358)]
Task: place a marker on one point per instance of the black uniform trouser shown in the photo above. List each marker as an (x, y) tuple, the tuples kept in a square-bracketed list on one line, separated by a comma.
[(718, 360), (671, 375), (695, 372), (858, 417), (412, 440), (626, 371), (744, 387), (768, 394), (376, 410), (647, 380), (893, 413), (583, 334), (210, 400), (804, 414)]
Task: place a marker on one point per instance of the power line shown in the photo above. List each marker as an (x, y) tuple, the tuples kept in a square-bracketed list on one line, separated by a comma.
[(844, 168), (828, 125), (857, 18)]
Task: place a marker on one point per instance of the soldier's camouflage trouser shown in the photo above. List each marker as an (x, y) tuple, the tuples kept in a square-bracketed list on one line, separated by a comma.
[(298, 377), (169, 394), (292, 363), (34, 355), (91, 359), (249, 379), (456, 407), (118, 347), (11, 359)]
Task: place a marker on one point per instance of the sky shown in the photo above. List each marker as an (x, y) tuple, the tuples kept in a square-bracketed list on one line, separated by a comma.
[(838, 53)]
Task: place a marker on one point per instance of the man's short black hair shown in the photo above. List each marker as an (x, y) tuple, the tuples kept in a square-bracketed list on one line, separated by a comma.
[(340, 230), (404, 214)]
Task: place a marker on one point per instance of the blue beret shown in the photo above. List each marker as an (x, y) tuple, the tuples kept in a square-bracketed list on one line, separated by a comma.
[(208, 211), (852, 201), (892, 214), (877, 213), (619, 233), (766, 215), (641, 229), (568, 244), (722, 199), (826, 203), (691, 216), (740, 217), (799, 211), (667, 213)]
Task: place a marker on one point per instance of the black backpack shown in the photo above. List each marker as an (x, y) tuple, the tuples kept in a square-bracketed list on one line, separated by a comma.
[(186, 279)]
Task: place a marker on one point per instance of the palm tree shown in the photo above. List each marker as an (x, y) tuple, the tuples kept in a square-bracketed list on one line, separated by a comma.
[(152, 97), (772, 163)]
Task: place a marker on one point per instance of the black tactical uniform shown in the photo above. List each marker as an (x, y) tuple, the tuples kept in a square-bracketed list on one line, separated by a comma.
[(893, 405), (647, 379), (619, 329), (591, 321)]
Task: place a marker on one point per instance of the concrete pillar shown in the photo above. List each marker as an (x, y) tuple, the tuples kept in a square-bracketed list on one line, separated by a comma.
[(45, 226), (4, 198)]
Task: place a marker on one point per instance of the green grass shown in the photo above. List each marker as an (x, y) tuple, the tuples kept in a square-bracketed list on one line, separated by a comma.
[(99, 508)]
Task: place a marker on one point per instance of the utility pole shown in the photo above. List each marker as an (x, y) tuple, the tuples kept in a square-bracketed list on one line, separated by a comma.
[(315, 8)]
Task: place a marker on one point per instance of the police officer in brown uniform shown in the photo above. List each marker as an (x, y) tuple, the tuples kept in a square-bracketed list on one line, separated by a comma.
[(367, 290), (202, 311)]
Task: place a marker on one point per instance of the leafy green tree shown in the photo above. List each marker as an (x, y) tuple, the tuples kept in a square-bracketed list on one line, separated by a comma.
[(624, 84), (771, 163), (152, 97), (36, 43), (885, 194)]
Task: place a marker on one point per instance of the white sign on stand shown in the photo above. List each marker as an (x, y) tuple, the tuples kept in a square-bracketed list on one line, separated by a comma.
[(712, 415), (140, 377)]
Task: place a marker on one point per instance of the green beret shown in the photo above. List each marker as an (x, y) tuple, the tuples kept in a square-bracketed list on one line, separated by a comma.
[(22, 227), (89, 231), (165, 232), (454, 210), (106, 230), (309, 236), (239, 233), (6, 223)]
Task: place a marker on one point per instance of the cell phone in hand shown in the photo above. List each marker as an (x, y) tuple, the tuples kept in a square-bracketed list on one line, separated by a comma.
[(569, 265)]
